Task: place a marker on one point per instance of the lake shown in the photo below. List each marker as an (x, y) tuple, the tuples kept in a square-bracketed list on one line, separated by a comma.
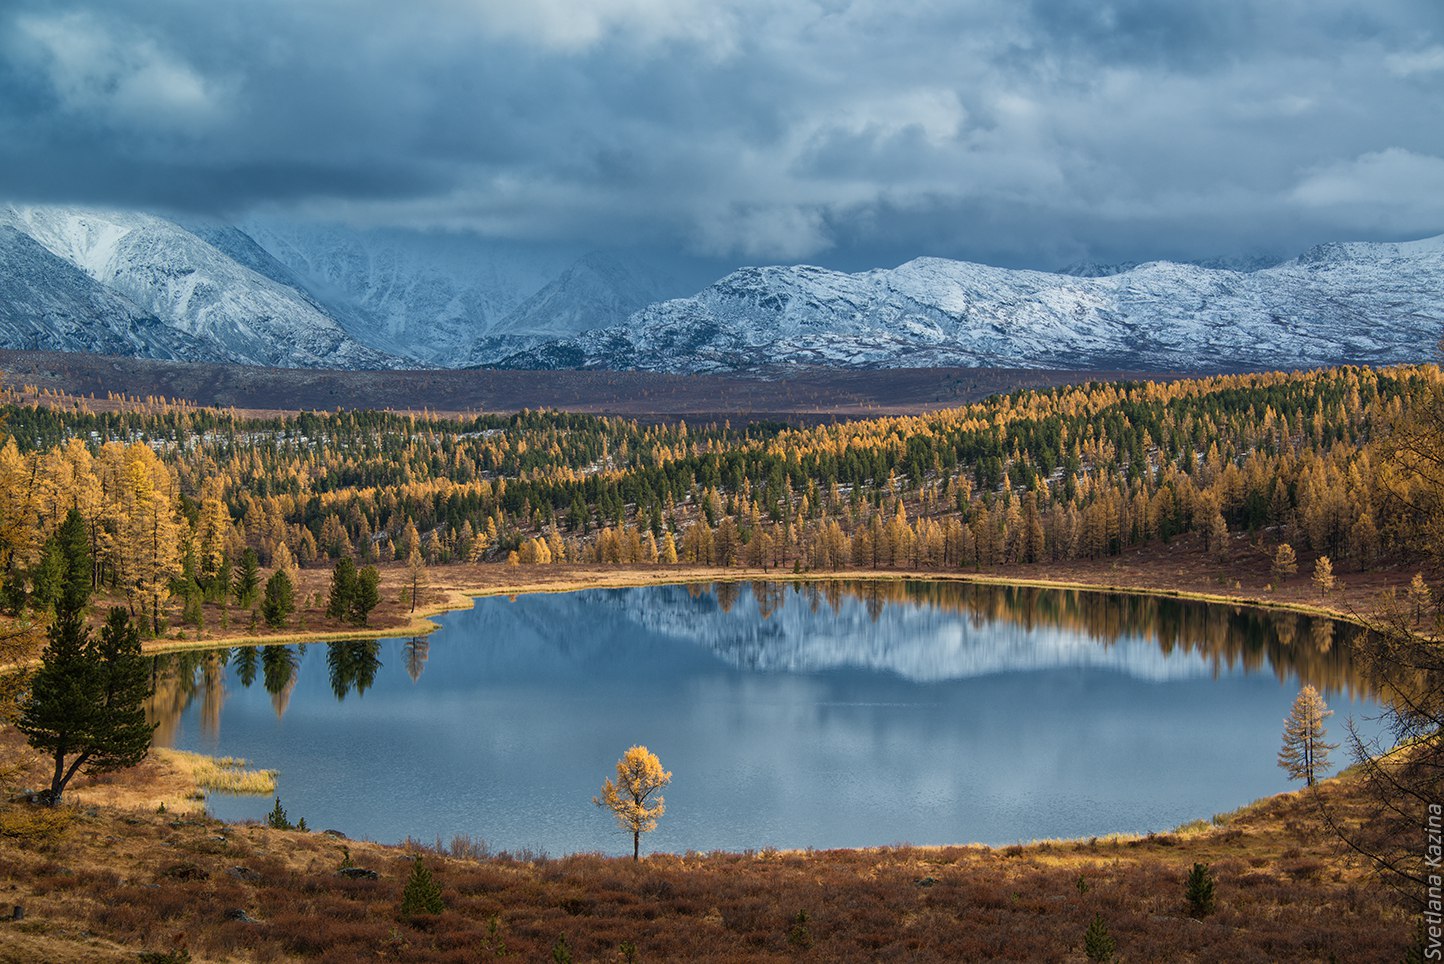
[(791, 715)]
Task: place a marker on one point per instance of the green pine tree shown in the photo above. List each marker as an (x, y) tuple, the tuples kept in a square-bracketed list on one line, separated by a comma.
[(367, 595), (85, 708), (247, 579), (1097, 943), (279, 600), (277, 819), (343, 589), (422, 895), (1199, 890)]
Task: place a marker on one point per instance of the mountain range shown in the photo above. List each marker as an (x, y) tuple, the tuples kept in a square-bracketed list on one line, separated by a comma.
[(295, 295)]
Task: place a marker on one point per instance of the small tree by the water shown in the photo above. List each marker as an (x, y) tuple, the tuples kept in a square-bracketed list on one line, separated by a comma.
[(1286, 561), (1305, 755), (1324, 576), (85, 708), (277, 819), (422, 895), (367, 595), (639, 776), (247, 579), (279, 600), (1419, 595), (343, 588)]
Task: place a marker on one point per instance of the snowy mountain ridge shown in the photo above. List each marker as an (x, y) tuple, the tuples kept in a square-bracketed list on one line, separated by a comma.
[(286, 295), (1348, 302), (198, 303)]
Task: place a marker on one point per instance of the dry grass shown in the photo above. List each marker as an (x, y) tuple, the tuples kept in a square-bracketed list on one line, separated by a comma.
[(137, 881), (224, 774)]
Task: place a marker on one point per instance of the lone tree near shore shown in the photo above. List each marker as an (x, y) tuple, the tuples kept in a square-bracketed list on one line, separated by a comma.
[(1286, 561), (1305, 755), (86, 703), (639, 776)]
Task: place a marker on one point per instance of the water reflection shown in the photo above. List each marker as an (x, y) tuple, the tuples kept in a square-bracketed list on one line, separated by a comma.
[(921, 631), (793, 715)]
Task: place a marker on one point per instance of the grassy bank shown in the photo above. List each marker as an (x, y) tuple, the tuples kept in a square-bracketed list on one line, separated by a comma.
[(105, 883)]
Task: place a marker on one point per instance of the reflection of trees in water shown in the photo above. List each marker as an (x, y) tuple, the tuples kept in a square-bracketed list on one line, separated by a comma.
[(1318, 651), (1228, 637), (177, 679), (247, 660), (353, 665), (278, 674), (416, 650), (181, 678)]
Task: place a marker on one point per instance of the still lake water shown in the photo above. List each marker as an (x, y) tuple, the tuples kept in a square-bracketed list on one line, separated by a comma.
[(791, 715)]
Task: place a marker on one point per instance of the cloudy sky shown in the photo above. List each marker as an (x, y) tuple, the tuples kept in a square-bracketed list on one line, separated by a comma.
[(850, 134)]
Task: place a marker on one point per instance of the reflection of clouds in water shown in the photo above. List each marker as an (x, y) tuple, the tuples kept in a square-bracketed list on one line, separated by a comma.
[(924, 641), (871, 717)]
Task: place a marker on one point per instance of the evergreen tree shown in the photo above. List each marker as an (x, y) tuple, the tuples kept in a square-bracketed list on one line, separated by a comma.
[(279, 600), (343, 589), (247, 579), (86, 703), (1098, 944), (422, 895), (367, 595), (45, 583), (1199, 890)]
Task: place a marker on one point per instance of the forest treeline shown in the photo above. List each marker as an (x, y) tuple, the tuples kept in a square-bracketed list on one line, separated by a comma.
[(173, 497)]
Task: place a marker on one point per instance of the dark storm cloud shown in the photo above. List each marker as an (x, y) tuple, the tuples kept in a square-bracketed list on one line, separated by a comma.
[(851, 133)]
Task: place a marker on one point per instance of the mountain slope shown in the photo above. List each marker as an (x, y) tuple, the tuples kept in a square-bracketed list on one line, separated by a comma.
[(595, 291), (430, 297), (48, 304), (1361, 302), (194, 288)]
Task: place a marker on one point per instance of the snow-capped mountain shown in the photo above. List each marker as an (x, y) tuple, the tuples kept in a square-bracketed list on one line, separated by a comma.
[(596, 291), (287, 295), (48, 304), (426, 296), (160, 291), (1355, 302)]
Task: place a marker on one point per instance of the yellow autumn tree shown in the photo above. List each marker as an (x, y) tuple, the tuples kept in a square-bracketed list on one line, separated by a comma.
[(152, 532), (630, 798), (1305, 754)]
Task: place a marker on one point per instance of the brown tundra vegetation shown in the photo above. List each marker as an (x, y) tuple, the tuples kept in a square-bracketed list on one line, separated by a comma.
[(113, 880)]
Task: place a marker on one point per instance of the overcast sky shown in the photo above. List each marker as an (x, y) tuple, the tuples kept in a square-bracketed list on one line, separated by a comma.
[(846, 134)]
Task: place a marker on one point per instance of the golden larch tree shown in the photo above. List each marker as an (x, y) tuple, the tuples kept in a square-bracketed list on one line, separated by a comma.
[(1305, 755), (631, 798)]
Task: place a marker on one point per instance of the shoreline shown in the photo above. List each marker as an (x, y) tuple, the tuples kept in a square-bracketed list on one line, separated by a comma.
[(463, 597), (574, 579)]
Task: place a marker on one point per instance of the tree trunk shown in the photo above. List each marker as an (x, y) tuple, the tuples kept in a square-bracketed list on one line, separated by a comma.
[(57, 782), (636, 845)]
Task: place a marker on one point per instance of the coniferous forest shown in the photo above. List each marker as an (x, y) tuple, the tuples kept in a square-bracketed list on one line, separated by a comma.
[(179, 502)]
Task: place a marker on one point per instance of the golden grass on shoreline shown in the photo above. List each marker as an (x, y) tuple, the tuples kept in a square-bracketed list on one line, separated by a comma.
[(223, 774)]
